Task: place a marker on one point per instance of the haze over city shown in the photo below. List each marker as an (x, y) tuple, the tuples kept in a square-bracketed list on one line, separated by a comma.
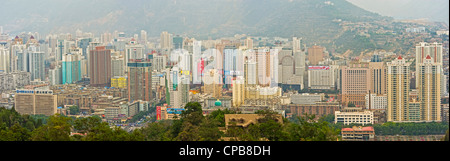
[(224, 70)]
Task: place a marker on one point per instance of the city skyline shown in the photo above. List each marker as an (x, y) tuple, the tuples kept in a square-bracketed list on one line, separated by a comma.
[(224, 70)]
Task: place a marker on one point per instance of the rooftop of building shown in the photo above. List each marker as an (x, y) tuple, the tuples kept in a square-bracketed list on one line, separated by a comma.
[(358, 128)]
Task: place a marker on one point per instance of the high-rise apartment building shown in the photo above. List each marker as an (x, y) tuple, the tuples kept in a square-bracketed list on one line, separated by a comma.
[(100, 67), (36, 65), (315, 54), (249, 43), (377, 77), (134, 51), (296, 44), (320, 77), (178, 42), (423, 49), (397, 90), (4, 59), (376, 101), (139, 80), (143, 39), (165, 41), (355, 83), (429, 81), (238, 91), (71, 68), (117, 68)]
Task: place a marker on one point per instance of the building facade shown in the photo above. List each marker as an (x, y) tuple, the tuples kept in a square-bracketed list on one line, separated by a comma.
[(397, 90), (139, 80), (355, 83), (35, 102), (100, 67), (321, 77), (429, 81), (357, 117)]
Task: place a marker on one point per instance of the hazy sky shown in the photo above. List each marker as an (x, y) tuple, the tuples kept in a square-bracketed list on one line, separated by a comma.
[(434, 10)]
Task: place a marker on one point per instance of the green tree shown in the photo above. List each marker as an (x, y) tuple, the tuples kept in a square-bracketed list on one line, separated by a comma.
[(57, 129), (309, 130), (209, 130), (189, 132), (219, 115), (157, 131), (74, 110), (446, 136)]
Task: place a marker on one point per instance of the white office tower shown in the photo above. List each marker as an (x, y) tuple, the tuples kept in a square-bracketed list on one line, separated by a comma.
[(4, 59), (434, 50)]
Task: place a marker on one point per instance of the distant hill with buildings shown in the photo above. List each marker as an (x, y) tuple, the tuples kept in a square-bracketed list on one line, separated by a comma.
[(284, 18)]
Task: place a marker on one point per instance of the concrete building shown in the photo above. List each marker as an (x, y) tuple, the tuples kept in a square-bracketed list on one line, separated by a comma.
[(165, 40), (139, 80), (397, 90), (100, 67), (134, 51), (320, 77), (444, 113), (376, 102), (423, 49), (71, 68), (360, 117), (35, 102), (291, 69), (117, 68), (4, 59), (14, 80), (159, 62), (119, 82), (377, 77), (358, 133), (55, 75), (238, 91), (318, 109), (36, 64), (296, 44), (429, 84), (306, 98), (315, 55), (355, 83), (415, 113)]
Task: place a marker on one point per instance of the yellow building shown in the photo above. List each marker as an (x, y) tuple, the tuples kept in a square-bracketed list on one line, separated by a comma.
[(429, 81), (398, 90), (119, 82)]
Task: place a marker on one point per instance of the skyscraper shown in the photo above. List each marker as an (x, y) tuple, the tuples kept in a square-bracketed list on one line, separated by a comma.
[(398, 90), (429, 80), (377, 77), (4, 59), (134, 51), (36, 64), (166, 41), (143, 39), (178, 42), (100, 67), (249, 43), (423, 49), (71, 68), (296, 44), (139, 80), (315, 54), (355, 83)]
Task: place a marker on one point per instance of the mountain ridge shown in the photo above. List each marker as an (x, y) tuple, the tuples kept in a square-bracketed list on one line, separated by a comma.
[(202, 18)]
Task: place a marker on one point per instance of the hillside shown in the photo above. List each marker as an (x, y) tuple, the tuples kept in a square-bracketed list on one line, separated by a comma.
[(202, 19)]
